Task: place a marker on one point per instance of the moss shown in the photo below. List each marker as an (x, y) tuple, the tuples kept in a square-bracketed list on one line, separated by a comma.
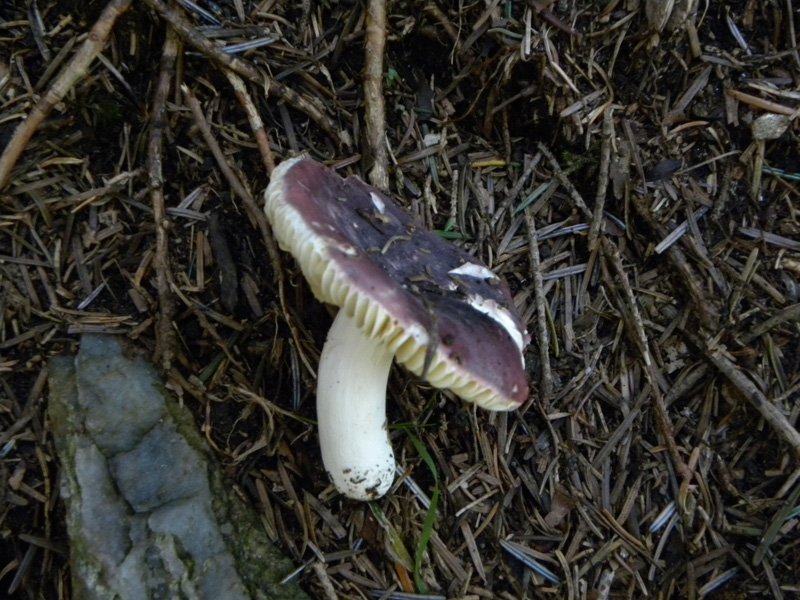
[(258, 561)]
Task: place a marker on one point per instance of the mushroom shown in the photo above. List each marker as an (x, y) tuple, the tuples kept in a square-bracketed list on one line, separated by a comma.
[(403, 293)]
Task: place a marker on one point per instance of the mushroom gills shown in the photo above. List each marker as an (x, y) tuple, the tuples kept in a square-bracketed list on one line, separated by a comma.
[(351, 411)]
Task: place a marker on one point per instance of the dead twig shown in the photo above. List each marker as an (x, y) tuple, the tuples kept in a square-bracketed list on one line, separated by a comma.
[(791, 32), (72, 73), (542, 336), (375, 109), (253, 210), (236, 184), (602, 179), (771, 414), (790, 313), (662, 418), (707, 311), (256, 124), (248, 71), (541, 7), (761, 103), (564, 180), (324, 581), (228, 275), (165, 333)]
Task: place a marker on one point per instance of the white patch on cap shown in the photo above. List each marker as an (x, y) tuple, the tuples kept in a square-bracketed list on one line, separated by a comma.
[(344, 248), (473, 270), (500, 315), (376, 200)]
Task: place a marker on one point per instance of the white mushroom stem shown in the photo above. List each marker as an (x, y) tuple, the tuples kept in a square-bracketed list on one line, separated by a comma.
[(351, 411)]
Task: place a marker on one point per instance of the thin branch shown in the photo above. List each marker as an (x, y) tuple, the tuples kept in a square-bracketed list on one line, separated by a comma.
[(245, 69), (789, 18), (165, 334), (705, 307), (640, 336), (236, 184), (542, 337), (375, 109), (602, 178), (70, 75), (256, 124), (255, 213), (564, 180), (771, 413), (790, 313)]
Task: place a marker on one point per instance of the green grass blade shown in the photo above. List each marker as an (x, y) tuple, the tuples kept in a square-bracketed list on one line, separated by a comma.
[(430, 516)]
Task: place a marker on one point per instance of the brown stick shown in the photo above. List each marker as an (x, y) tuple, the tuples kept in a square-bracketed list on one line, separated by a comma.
[(761, 103), (602, 180), (70, 75), (248, 71), (375, 109), (543, 339), (790, 313), (564, 181), (770, 413), (611, 251), (238, 187), (255, 213), (706, 308), (256, 124), (253, 210), (165, 334)]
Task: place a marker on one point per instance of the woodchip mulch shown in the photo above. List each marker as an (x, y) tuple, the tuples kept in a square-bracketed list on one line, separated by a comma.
[(630, 167)]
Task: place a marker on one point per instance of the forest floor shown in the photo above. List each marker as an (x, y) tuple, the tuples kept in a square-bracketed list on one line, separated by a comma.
[(631, 168)]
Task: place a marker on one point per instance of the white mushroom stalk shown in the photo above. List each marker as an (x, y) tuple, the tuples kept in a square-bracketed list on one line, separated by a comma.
[(351, 411)]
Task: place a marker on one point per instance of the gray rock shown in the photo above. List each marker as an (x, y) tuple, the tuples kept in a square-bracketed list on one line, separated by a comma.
[(114, 389), (148, 512), (159, 469)]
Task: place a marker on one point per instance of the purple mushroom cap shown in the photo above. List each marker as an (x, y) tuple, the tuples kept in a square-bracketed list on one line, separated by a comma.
[(442, 312)]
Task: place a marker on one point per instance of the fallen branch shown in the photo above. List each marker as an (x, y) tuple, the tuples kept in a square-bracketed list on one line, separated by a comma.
[(542, 337), (70, 75), (256, 124), (611, 252), (236, 184), (165, 333), (791, 313), (254, 212), (769, 412), (248, 71), (375, 109), (705, 307), (559, 174)]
